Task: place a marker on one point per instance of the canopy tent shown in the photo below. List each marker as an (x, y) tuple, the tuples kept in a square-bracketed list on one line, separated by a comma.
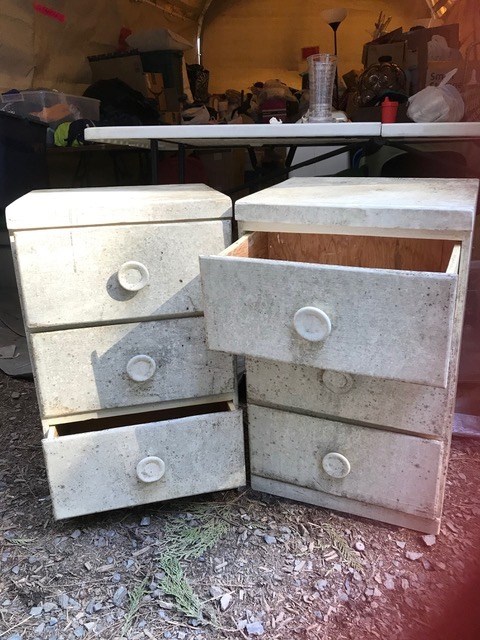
[(45, 43)]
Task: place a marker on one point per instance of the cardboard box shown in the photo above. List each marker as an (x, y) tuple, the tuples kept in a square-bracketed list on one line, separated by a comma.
[(471, 96), (409, 48), (418, 41), (372, 52), (170, 117), (438, 69), (156, 90)]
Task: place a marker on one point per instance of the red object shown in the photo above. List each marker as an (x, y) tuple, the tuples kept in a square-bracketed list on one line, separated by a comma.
[(122, 39), (389, 110), (50, 13), (273, 108), (309, 51)]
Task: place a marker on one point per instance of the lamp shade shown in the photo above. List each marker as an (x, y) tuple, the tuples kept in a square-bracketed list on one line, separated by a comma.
[(334, 15)]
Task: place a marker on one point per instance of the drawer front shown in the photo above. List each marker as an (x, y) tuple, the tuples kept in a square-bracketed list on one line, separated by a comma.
[(374, 322), (397, 405), (391, 470), (100, 274), (126, 466), (81, 370)]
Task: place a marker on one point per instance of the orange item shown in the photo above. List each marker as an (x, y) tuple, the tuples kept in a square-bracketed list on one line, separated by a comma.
[(53, 114), (389, 110)]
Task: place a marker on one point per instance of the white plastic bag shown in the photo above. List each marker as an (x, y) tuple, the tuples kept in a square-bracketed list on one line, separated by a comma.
[(196, 115), (437, 104)]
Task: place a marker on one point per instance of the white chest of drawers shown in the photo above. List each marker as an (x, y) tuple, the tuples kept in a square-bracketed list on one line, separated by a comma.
[(134, 406), (347, 297)]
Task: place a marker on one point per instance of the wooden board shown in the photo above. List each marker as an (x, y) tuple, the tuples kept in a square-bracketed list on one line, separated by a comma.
[(410, 254)]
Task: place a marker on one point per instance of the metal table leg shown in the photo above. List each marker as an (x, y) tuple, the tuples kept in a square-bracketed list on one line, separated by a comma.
[(154, 161), (181, 163)]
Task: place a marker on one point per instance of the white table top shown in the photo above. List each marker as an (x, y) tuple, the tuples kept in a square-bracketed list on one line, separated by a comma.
[(216, 135), (431, 130)]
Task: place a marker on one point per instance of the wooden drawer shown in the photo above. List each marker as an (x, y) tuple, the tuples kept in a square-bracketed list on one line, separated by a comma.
[(87, 275), (371, 466), (108, 468), (125, 365), (380, 307), (402, 406)]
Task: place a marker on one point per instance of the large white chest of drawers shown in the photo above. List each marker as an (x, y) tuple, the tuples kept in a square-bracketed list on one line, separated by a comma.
[(134, 406), (347, 297)]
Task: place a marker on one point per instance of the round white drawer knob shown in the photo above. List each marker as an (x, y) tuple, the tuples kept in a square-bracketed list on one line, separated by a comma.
[(336, 465), (133, 276), (141, 368), (312, 324), (337, 381), (150, 469)]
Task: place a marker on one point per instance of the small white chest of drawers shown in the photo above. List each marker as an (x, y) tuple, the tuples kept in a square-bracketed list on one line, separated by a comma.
[(347, 297), (134, 406)]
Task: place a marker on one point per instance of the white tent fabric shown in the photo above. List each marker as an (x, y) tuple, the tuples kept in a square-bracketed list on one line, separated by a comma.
[(40, 50)]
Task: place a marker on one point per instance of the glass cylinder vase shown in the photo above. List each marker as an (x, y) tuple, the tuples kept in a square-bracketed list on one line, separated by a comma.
[(321, 76)]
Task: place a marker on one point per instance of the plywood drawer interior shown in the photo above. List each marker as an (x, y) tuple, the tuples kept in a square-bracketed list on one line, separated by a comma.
[(371, 252)]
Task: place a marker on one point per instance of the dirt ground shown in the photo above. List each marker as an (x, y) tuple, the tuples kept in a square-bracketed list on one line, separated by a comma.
[(232, 565)]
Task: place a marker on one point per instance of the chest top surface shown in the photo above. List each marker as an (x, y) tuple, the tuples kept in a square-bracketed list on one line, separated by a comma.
[(56, 208), (365, 203)]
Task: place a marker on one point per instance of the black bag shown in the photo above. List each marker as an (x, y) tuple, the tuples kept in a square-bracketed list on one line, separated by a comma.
[(120, 104)]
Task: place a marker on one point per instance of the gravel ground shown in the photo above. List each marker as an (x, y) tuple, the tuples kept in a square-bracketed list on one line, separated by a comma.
[(232, 565)]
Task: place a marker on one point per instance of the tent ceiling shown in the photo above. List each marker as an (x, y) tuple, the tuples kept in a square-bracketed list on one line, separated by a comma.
[(195, 9)]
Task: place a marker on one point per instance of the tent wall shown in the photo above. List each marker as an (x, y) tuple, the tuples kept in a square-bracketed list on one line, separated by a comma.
[(243, 40), (467, 14), (249, 40), (40, 51)]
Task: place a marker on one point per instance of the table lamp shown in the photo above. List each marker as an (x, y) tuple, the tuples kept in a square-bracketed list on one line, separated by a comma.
[(334, 17)]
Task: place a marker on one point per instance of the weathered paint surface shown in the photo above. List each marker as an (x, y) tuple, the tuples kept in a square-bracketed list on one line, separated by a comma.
[(96, 471)]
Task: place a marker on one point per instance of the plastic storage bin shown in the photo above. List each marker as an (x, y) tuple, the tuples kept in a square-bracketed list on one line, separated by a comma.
[(51, 107)]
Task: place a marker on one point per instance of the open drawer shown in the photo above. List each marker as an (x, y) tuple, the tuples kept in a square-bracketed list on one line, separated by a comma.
[(373, 306), (97, 465)]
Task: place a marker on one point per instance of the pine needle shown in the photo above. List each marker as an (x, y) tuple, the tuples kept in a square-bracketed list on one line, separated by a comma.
[(186, 540), (175, 584), (135, 601), (341, 546)]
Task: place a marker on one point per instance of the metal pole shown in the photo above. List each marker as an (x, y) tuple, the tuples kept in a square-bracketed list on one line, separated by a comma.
[(181, 164), (334, 26), (154, 161)]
